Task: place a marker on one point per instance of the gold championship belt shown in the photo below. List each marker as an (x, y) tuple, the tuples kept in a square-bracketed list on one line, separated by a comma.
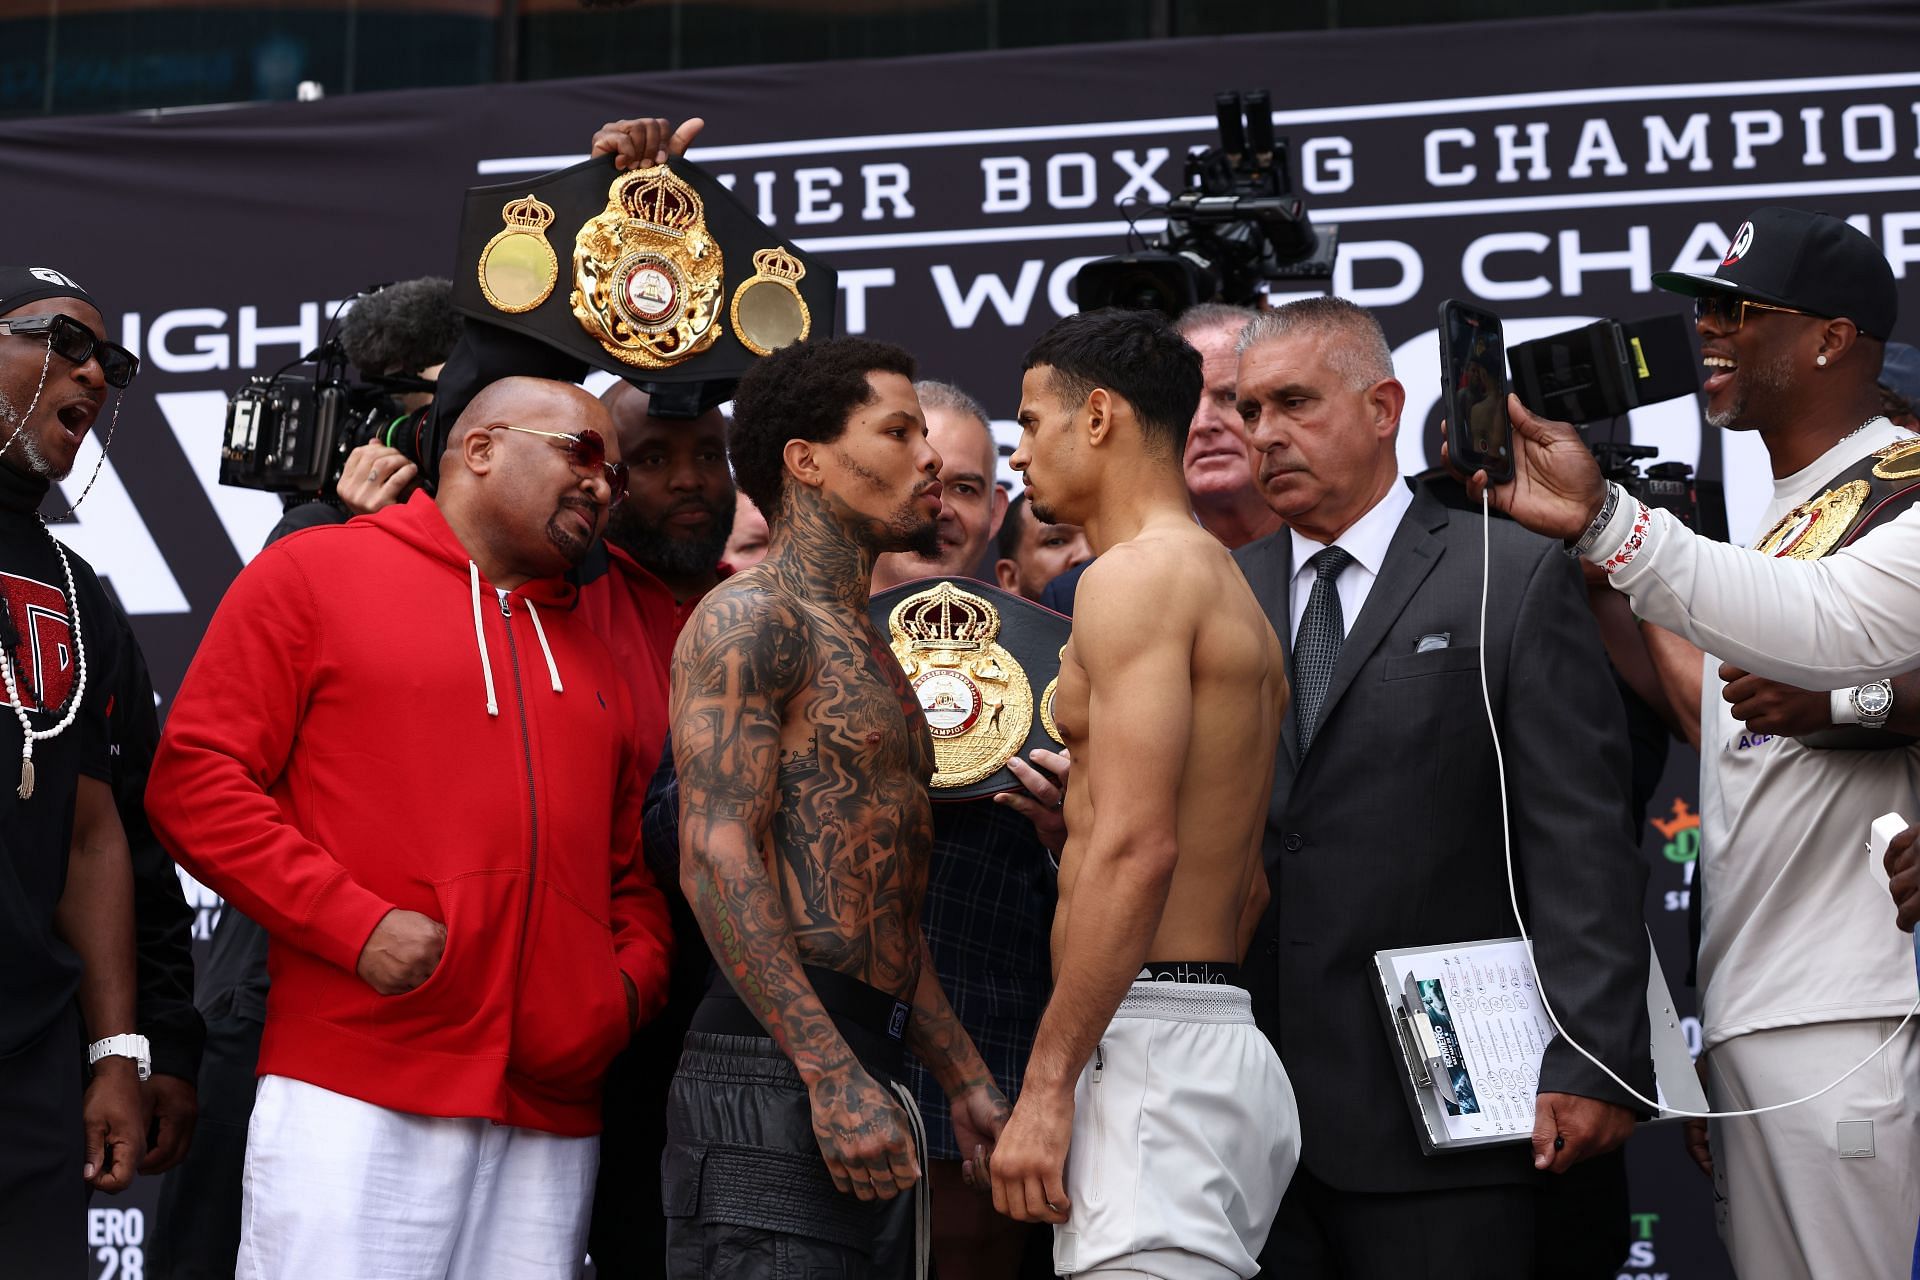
[(647, 276), (974, 654), (673, 280), (1866, 495), (1869, 493)]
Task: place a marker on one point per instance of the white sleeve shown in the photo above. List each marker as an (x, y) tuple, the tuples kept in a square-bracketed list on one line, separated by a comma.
[(1842, 620)]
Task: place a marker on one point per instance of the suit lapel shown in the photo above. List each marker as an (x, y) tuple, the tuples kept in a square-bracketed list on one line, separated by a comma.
[(1410, 558)]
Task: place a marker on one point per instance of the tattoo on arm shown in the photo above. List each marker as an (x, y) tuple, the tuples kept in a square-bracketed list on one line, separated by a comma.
[(742, 655), (936, 1037)]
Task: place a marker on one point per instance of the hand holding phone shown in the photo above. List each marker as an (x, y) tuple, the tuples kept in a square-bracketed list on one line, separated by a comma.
[(1473, 372)]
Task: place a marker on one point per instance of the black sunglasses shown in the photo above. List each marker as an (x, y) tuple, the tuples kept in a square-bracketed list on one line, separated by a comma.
[(74, 342)]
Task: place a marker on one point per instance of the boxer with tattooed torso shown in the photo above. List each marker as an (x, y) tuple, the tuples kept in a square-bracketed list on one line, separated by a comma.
[(805, 829)]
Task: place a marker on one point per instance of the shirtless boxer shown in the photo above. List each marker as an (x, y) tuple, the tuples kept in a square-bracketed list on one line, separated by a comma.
[(1170, 698), (805, 829)]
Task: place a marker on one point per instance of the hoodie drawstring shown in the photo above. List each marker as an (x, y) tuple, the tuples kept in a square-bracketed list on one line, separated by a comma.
[(480, 636), (553, 671)]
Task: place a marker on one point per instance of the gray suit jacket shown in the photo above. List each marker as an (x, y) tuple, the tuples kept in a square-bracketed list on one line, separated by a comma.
[(1387, 834)]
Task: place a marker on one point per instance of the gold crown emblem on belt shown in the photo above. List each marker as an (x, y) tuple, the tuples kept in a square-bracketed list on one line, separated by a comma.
[(976, 697), (647, 274)]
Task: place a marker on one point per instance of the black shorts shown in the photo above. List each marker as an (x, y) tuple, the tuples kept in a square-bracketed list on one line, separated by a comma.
[(746, 1193)]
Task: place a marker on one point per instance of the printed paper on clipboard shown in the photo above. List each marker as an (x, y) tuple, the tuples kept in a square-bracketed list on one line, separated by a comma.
[(1470, 1022)]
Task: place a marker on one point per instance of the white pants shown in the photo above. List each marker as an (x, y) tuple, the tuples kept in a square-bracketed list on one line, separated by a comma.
[(339, 1189), (1185, 1135), (1790, 1206)]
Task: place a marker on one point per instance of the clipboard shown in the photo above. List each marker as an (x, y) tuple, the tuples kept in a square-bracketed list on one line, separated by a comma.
[(1467, 1027)]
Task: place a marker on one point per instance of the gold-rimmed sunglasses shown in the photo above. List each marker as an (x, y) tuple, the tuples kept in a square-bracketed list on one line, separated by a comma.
[(1729, 311), (584, 449)]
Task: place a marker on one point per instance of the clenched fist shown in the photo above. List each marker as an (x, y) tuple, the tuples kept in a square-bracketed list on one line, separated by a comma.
[(402, 952)]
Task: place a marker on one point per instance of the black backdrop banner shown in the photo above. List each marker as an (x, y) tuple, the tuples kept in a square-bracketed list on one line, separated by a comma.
[(1545, 169)]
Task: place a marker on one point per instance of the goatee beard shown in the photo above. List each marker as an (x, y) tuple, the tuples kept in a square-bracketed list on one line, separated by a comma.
[(568, 543)]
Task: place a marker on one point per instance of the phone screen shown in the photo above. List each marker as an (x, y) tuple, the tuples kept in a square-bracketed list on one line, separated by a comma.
[(1476, 372)]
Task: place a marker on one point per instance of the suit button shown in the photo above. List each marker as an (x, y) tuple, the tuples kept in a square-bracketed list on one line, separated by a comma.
[(1294, 842), (1273, 946)]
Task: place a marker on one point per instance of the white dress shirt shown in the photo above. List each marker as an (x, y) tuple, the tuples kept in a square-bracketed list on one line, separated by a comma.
[(1366, 541)]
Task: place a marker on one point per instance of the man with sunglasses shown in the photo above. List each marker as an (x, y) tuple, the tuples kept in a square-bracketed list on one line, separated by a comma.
[(402, 750), (66, 884), (1802, 973)]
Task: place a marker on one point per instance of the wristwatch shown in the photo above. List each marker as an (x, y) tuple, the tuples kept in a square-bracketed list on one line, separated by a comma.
[(1873, 703), (123, 1046)]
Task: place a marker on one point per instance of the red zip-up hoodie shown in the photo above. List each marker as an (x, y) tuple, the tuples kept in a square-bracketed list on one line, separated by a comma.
[(368, 725)]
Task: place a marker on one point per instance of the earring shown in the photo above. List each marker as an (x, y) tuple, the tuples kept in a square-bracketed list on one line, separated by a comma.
[(1821, 361)]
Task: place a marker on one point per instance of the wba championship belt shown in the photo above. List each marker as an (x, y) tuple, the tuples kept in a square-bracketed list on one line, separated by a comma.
[(984, 663), (658, 274), (1854, 503), (1869, 493)]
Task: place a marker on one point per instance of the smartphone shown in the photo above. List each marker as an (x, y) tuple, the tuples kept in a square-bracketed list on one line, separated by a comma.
[(1473, 387)]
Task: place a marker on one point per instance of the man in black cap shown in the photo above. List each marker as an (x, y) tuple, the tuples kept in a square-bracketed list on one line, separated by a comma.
[(1801, 971), (66, 883)]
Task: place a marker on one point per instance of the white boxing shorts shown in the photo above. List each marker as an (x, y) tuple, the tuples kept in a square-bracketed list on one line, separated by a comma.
[(1185, 1134)]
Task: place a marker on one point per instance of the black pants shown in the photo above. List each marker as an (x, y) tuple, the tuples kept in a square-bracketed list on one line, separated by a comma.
[(42, 1147), (1569, 1226), (196, 1233), (1473, 1233), (746, 1194)]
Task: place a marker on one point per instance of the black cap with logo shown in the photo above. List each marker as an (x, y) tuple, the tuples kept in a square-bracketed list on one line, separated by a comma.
[(1810, 262)]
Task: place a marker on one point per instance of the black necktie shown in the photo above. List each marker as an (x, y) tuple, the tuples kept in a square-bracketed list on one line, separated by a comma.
[(1317, 646)]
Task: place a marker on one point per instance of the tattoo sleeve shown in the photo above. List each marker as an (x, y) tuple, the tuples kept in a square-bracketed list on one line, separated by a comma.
[(936, 1037), (740, 657)]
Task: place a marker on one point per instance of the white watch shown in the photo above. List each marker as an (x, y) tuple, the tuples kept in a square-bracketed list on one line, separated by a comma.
[(122, 1046)]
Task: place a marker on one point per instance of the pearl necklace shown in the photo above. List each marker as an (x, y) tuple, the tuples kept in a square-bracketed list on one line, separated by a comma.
[(28, 734)]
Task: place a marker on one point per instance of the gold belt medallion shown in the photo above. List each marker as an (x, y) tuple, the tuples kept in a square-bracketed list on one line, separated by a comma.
[(1046, 705), (768, 312), (976, 697), (1816, 526), (648, 277), (518, 267), (1897, 460)]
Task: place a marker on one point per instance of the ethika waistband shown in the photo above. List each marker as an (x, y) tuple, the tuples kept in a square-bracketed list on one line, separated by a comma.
[(1210, 972), (1186, 1002)]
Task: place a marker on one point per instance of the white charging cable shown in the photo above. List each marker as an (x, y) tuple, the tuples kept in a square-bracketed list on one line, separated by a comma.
[(1513, 891)]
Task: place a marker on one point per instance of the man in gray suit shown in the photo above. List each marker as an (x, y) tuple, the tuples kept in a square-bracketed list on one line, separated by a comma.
[(1385, 824)]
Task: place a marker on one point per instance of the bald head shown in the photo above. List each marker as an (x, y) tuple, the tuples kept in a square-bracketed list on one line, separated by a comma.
[(514, 400)]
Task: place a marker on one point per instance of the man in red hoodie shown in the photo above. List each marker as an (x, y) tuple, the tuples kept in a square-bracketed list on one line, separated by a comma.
[(402, 753)]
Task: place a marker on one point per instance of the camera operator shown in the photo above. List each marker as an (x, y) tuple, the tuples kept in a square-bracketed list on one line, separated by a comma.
[(400, 335)]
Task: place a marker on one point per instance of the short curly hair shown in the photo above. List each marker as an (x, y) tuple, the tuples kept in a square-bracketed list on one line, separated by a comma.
[(806, 391)]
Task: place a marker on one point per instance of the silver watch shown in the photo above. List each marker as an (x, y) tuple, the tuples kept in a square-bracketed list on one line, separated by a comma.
[(1873, 703), (123, 1046)]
